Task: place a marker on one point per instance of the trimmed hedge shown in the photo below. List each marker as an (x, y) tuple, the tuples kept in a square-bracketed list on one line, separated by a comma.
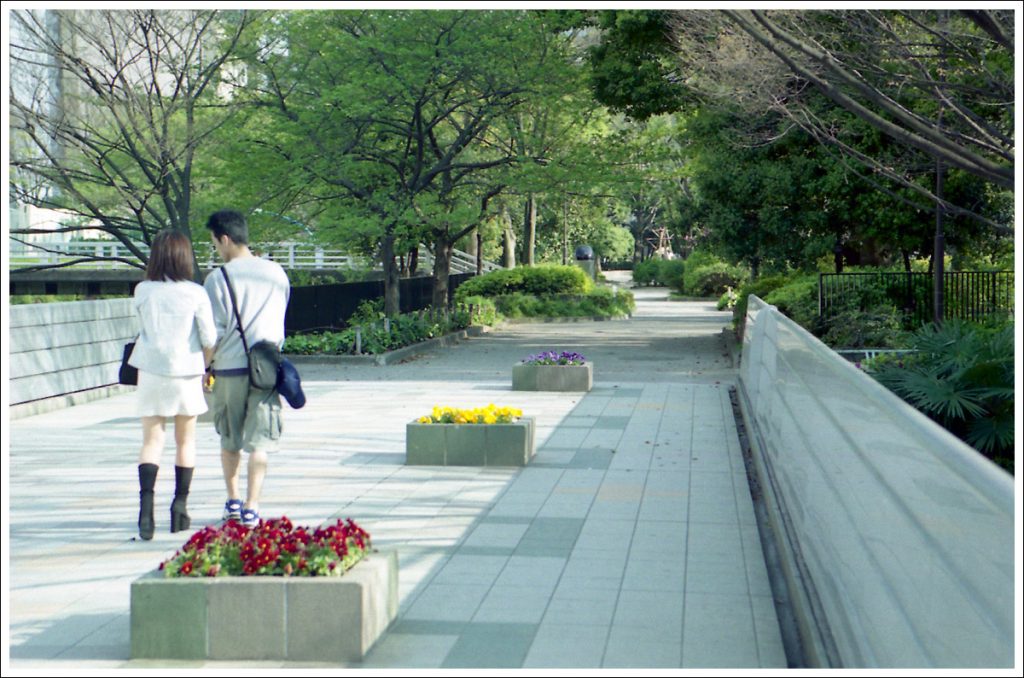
[(600, 302), (534, 280)]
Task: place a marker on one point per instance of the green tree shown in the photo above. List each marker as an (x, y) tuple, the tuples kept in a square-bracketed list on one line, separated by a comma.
[(379, 115)]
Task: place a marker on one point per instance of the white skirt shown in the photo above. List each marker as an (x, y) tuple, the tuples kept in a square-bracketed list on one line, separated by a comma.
[(160, 396)]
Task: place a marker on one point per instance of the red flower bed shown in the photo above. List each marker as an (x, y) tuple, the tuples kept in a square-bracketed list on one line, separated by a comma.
[(273, 548)]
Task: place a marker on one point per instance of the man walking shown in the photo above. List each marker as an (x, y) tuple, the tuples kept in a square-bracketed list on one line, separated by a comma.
[(247, 418)]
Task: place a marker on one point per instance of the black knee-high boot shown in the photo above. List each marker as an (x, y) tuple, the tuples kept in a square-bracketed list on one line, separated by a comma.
[(147, 481), (179, 510)]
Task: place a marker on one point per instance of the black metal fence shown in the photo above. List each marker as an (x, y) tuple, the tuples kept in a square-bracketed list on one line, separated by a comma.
[(968, 295), (320, 307)]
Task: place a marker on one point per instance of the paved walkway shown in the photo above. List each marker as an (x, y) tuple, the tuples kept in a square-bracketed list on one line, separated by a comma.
[(629, 541)]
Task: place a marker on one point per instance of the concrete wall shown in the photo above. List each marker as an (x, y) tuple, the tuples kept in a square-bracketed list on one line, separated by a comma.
[(895, 537), (66, 348)]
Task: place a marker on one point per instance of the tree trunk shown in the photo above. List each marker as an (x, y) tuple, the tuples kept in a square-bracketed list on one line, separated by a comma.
[(478, 238), (442, 272), (391, 277), (508, 253), (529, 229), (414, 260)]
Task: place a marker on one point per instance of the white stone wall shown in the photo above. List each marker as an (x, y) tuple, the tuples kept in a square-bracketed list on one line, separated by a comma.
[(896, 534), (64, 348)]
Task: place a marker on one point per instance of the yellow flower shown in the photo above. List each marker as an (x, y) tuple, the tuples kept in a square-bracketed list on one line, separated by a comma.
[(491, 414)]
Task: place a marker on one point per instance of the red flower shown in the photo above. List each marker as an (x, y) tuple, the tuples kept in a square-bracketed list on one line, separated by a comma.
[(186, 567)]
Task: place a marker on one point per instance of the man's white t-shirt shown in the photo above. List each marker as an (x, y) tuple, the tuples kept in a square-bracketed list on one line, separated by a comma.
[(262, 290)]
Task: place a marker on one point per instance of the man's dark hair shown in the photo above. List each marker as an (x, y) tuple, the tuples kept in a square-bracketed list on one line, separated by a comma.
[(229, 223)]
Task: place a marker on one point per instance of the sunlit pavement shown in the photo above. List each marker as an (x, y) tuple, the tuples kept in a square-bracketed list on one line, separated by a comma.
[(629, 540)]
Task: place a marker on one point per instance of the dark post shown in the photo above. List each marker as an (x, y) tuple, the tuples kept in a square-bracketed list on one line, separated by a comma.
[(939, 255)]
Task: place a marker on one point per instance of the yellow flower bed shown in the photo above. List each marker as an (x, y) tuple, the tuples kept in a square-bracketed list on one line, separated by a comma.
[(480, 415)]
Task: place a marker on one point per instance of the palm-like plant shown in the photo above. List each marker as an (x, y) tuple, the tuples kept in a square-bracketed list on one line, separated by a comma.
[(961, 375)]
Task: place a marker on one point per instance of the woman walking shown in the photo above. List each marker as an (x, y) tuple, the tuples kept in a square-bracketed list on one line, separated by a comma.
[(174, 347)]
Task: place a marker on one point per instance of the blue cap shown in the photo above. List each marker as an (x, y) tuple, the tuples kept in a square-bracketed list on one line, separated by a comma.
[(289, 385)]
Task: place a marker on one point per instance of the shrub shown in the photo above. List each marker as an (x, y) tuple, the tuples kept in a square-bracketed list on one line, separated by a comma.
[(696, 260), (711, 280), (663, 272), (671, 273), (760, 288), (962, 376), (878, 327), (798, 299), (598, 303), (537, 280), (645, 272)]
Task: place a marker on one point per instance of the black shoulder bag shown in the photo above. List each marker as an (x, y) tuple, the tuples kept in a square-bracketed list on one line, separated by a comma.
[(264, 356), (127, 374)]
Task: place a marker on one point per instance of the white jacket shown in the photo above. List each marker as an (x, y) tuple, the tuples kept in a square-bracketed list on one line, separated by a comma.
[(176, 323)]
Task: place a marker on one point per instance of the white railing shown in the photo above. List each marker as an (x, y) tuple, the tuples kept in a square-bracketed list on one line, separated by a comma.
[(462, 262), (291, 255)]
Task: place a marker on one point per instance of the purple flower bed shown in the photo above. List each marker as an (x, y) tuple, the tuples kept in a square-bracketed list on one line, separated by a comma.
[(552, 358)]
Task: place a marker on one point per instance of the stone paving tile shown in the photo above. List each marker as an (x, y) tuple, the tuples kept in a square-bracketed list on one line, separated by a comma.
[(491, 645), (412, 651), (514, 604), (567, 645), (719, 631), (448, 602), (638, 649), (587, 607)]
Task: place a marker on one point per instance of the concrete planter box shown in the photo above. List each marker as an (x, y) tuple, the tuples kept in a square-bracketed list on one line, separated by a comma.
[(552, 377), (316, 619), (469, 444)]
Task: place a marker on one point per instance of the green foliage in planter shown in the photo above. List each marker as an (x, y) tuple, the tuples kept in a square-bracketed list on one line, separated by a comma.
[(321, 343), (403, 330), (485, 311), (536, 280), (960, 375)]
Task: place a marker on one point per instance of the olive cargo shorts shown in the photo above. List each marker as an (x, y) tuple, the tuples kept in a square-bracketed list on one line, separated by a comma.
[(246, 418)]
